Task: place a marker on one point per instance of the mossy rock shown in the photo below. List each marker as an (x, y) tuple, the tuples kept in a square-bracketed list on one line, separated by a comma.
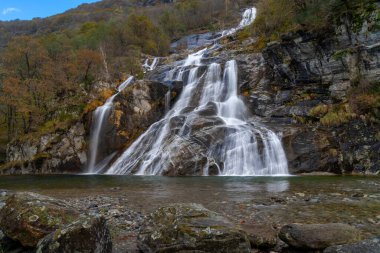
[(28, 217), (191, 228), (318, 236), (85, 235)]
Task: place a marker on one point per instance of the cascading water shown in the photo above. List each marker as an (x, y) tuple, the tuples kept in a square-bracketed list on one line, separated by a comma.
[(152, 66), (100, 117), (207, 130)]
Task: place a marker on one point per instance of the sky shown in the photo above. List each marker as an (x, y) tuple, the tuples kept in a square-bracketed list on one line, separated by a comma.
[(29, 9)]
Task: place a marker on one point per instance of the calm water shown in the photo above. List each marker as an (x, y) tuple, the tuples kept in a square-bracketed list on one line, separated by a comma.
[(192, 189), (277, 200)]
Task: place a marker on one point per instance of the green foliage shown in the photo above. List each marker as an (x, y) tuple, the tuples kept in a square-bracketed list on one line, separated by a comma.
[(352, 13), (276, 17)]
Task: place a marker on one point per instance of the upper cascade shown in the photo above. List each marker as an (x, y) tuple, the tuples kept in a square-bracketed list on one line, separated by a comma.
[(207, 131)]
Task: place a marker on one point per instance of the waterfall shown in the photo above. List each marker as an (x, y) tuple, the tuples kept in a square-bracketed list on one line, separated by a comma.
[(210, 121), (152, 66), (99, 122), (248, 17), (167, 101)]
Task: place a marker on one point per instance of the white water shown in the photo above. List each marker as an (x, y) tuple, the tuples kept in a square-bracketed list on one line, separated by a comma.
[(245, 150), (248, 17), (152, 66), (100, 117)]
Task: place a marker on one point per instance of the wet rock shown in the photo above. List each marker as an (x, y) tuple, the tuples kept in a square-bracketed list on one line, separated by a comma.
[(191, 228), (318, 236), (135, 109), (367, 246), (261, 236), (28, 217), (309, 150), (87, 234)]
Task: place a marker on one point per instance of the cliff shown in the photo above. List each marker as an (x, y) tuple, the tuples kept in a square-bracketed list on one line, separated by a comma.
[(304, 72)]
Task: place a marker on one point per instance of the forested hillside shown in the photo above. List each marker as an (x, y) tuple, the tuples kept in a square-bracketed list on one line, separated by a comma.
[(48, 66)]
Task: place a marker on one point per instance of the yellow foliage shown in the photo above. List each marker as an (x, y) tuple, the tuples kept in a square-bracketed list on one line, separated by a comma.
[(246, 93), (338, 115), (319, 111), (106, 93), (93, 105), (118, 114)]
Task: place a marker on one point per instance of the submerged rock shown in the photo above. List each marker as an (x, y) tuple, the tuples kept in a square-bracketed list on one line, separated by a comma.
[(318, 236), (367, 246), (28, 217), (191, 228), (261, 236), (87, 234)]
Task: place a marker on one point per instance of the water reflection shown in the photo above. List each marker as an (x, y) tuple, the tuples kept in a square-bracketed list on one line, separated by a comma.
[(278, 186)]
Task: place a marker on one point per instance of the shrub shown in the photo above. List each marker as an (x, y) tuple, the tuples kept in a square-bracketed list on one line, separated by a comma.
[(319, 111), (338, 115)]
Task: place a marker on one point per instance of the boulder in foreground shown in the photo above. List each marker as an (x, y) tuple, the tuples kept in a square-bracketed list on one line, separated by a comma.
[(86, 235), (318, 236), (191, 228), (367, 246), (49, 225), (28, 217)]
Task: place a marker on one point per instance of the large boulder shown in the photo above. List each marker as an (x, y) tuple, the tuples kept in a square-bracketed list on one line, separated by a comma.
[(261, 236), (318, 236), (85, 235), (367, 246), (28, 217), (191, 228), (51, 225)]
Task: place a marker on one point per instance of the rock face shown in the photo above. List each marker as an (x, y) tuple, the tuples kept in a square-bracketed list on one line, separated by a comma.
[(52, 153), (28, 217), (304, 70), (86, 234), (191, 228), (136, 108), (367, 246), (310, 149), (318, 236)]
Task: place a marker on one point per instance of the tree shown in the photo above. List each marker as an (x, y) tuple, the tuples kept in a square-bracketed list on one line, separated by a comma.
[(89, 63)]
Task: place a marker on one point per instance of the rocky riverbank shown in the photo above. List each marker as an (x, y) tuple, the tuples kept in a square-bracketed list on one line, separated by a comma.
[(298, 222)]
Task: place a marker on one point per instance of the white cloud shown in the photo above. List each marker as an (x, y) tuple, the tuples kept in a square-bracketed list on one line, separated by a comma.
[(10, 10)]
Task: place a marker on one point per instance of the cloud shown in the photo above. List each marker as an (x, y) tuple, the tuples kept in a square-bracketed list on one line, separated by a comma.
[(10, 10)]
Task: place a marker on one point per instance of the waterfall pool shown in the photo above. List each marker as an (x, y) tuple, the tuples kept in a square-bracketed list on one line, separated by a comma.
[(306, 199)]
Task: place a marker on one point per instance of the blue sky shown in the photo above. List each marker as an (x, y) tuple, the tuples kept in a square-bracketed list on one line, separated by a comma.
[(29, 9)]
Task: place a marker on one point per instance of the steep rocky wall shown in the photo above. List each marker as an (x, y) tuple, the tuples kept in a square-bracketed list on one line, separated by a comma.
[(292, 76), (50, 153)]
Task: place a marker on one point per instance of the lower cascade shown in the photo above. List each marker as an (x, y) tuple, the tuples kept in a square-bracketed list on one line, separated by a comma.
[(100, 117), (205, 133), (208, 130)]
